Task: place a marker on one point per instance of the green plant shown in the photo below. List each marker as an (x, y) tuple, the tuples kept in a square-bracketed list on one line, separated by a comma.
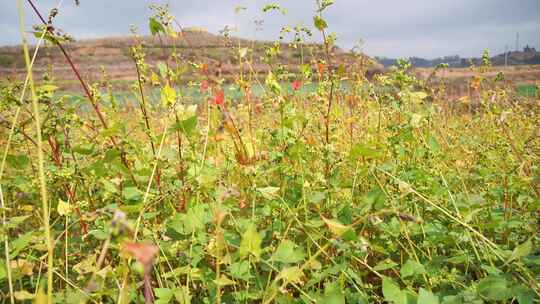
[(312, 184)]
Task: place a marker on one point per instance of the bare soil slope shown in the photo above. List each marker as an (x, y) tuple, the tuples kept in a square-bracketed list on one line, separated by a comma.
[(113, 56)]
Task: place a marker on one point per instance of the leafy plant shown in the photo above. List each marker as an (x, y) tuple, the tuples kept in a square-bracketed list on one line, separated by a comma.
[(311, 184)]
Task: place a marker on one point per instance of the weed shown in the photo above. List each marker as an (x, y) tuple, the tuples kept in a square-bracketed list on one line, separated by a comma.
[(311, 184)]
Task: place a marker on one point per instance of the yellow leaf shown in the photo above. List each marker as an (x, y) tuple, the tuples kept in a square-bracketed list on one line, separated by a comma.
[(416, 120), (86, 266), (41, 297), (336, 227), (242, 52), (168, 96), (404, 188), (23, 266), (23, 295), (224, 281), (63, 208), (291, 274), (417, 97), (465, 99), (154, 79)]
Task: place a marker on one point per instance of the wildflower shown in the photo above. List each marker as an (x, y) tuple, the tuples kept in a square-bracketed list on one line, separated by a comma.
[(296, 85)]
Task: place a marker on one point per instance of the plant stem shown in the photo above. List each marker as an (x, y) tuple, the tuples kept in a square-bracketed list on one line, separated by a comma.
[(41, 161), (6, 248), (90, 96)]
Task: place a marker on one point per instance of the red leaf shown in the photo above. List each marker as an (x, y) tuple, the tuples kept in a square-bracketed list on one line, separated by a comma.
[(321, 68), (219, 97), (296, 85), (143, 253)]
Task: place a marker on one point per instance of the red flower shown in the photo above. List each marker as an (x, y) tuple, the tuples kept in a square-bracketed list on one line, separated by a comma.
[(296, 85), (219, 97), (204, 86)]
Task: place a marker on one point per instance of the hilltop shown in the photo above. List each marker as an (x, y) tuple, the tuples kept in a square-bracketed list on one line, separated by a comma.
[(112, 55), (527, 56)]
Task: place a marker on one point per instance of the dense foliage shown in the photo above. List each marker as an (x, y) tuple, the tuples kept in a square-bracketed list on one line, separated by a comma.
[(356, 191)]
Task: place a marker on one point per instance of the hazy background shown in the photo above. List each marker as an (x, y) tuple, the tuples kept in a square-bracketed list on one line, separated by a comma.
[(391, 28)]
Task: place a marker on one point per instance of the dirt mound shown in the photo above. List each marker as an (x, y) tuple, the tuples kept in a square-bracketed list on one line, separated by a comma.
[(112, 55)]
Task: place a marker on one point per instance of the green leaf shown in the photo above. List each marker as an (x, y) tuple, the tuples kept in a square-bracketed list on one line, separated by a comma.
[(273, 84), (195, 219), (287, 252), (291, 274), (186, 126), (273, 7), (47, 88), (384, 265), (182, 296), (361, 150), (392, 293), (224, 281), (20, 244), (316, 197), (155, 26), (320, 23), (251, 243), (493, 288), (131, 194), (84, 149), (269, 193), (333, 294), (523, 294), (433, 144), (521, 251), (18, 161), (3, 273), (427, 297), (163, 69), (411, 268), (240, 270), (163, 295), (99, 234), (15, 221), (325, 4)]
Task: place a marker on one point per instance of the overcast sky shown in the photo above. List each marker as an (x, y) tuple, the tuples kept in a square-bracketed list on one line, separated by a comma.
[(391, 28)]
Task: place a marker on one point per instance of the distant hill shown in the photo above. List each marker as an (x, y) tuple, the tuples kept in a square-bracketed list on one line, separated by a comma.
[(113, 55), (529, 56)]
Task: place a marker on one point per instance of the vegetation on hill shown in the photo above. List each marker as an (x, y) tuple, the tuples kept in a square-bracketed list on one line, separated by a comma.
[(114, 57), (528, 56), (357, 191)]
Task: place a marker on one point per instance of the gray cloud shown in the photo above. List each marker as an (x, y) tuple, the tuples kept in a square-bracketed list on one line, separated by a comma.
[(390, 28)]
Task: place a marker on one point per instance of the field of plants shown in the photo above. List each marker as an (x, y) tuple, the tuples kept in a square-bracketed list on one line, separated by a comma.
[(314, 184)]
